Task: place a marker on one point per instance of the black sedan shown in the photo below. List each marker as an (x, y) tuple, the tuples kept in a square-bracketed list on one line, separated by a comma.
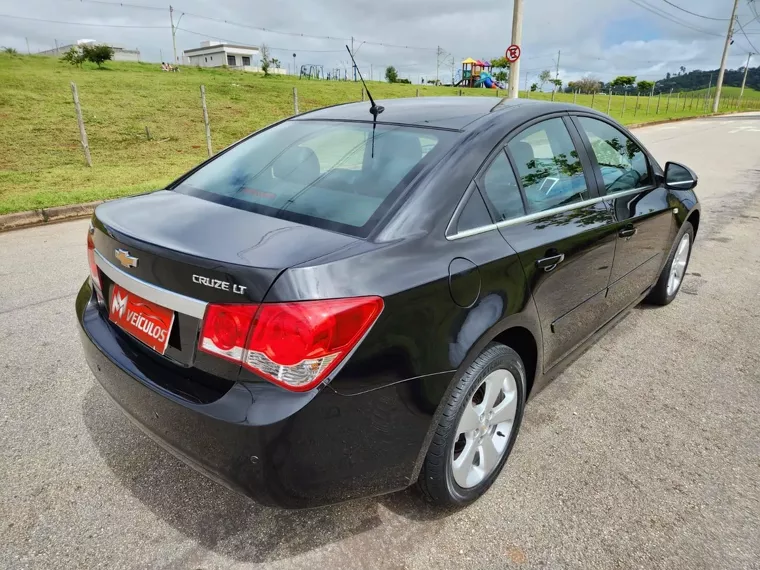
[(336, 307)]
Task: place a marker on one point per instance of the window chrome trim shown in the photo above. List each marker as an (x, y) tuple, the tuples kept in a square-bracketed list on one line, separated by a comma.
[(155, 294), (544, 213)]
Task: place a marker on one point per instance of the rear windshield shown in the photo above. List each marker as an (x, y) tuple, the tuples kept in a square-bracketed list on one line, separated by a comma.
[(319, 173)]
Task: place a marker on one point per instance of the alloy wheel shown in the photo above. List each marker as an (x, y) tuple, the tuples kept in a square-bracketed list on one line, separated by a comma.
[(484, 429), (678, 267)]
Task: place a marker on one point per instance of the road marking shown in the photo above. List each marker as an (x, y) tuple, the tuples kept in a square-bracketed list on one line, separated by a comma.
[(744, 128)]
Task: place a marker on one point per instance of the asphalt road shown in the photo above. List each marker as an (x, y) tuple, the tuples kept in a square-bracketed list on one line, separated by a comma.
[(645, 453)]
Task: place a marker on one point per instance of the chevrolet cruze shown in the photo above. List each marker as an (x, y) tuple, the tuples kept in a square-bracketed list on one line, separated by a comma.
[(349, 303)]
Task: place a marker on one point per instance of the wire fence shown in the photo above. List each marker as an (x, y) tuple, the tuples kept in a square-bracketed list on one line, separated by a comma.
[(627, 108)]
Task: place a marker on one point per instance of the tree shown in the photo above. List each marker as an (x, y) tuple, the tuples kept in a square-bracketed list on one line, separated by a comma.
[(10, 51), (97, 53), (276, 62), (265, 59), (543, 77), (682, 69), (645, 86), (556, 82), (534, 87), (74, 56), (588, 84), (623, 81), (502, 65), (667, 75), (391, 75)]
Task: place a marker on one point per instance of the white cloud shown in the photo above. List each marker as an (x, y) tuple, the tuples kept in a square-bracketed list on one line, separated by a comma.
[(475, 28)]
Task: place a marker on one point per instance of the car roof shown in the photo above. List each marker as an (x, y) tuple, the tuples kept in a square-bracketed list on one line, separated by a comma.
[(441, 112)]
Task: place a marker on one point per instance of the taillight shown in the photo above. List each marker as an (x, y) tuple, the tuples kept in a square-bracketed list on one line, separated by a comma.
[(225, 329), (91, 258), (295, 345)]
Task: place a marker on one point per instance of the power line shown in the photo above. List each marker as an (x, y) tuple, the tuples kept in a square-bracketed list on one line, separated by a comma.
[(84, 23), (746, 37), (670, 17), (694, 13), (270, 47), (123, 4)]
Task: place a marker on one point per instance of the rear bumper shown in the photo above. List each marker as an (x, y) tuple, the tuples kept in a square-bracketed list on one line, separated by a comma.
[(279, 448)]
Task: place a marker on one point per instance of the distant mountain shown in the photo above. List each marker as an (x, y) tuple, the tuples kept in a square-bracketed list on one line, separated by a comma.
[(698, 79)]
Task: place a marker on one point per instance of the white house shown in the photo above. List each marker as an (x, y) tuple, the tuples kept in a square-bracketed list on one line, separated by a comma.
[(217, 54)]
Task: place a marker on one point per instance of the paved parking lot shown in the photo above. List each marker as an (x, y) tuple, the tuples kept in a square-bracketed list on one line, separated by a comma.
[(645, 453)]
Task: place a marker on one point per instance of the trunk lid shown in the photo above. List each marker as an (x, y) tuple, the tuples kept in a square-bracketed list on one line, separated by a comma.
[(194, 247), (181, 253)]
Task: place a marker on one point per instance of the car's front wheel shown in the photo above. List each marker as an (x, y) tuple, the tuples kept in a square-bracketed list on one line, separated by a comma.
[(671, 278), (477, 429)]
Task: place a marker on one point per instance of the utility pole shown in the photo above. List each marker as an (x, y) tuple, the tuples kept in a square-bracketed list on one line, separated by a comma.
[(174, 34), (352, 53), (27, 46), (559, 53), (526, 81), (514, 71), (707, 96), (746, 69), (719, 83), (437, 63)]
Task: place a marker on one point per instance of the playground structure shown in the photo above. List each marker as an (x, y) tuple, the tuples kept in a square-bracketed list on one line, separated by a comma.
[(309, 71), (477, 73)]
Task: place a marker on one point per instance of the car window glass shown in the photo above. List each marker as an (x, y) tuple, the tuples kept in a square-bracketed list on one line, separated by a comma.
[(623, 164), (500, 185), (548, 165), (474, 214), (329, 174)]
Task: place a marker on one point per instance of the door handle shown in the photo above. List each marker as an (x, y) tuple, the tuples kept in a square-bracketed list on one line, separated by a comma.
[(627, 232), (549, 263)]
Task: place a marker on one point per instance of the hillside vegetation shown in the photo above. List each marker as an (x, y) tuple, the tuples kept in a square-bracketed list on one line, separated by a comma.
[(41, 161)]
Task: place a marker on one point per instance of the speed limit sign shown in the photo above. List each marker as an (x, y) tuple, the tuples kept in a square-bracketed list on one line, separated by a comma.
[(513, 53)]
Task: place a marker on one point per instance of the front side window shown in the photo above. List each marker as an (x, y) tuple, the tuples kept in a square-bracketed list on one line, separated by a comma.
[(500, 185), (548, 165), (623, 164), (230, 60), (320, 173), (246, 60)]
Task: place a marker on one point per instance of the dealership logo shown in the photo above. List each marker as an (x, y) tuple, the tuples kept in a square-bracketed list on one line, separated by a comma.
[(119, 304), (125, 259)]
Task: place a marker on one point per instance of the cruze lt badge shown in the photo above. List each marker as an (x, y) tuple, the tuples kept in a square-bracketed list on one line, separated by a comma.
[(125, 259), (217, 284)]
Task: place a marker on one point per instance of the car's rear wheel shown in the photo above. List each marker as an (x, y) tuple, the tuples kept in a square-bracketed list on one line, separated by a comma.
[(477, 429), (671, 278)]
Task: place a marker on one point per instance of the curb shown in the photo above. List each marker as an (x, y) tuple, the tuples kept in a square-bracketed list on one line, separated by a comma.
[(46, 215), (679, 119)]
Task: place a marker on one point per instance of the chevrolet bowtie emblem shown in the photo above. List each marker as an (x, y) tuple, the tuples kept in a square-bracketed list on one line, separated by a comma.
[(125, 259)]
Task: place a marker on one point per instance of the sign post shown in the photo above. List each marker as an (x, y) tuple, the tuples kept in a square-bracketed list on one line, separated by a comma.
[(514, 68)]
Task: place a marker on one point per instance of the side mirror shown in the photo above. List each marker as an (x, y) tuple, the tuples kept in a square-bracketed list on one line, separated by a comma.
[(679, 177)]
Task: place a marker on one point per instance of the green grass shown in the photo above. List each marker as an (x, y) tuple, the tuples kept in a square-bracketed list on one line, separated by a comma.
[(41, 162)]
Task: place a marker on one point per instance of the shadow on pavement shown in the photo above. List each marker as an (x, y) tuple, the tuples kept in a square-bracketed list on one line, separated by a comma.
[(207, 513)]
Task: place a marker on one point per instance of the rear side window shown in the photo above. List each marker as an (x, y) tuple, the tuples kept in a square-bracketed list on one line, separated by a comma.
[(500, 185), (623, 164), (548, 165), (322, 173)]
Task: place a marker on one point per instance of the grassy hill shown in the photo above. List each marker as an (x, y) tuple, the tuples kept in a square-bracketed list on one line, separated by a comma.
[(41, 162)]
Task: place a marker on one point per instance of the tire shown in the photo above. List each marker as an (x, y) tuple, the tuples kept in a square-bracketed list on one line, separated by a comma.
[(660, 294), (440, 482)]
